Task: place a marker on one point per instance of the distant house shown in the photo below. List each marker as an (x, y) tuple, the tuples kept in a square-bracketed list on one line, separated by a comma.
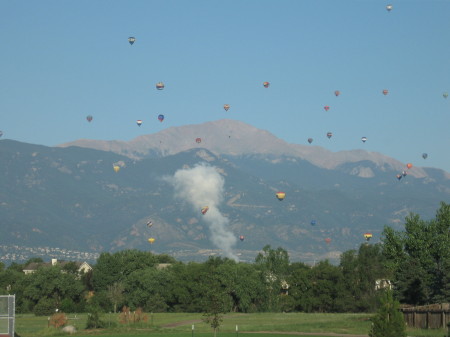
[(82, 267), (383, 284)]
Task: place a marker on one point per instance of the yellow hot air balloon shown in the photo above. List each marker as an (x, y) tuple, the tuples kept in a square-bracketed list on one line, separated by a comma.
[(280, 195), (151, 240), (367, 236), (116, 168)]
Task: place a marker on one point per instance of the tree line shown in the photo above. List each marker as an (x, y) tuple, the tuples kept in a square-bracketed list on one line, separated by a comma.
[(416, 260)]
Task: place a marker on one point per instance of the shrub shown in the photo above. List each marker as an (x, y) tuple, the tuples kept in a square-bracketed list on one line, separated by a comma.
[(58, 320)]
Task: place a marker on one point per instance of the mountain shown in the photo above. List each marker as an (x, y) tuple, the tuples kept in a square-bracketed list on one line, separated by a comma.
[(68, 199)]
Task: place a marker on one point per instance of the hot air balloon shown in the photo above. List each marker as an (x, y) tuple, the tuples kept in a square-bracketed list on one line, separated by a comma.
[(310, 140), (161, 118), (116, 168), (241, 237), (160, 85), (363, 139), (313, 222), (409, 165), (89, 118), (404, 173), (368, 236), (424, 155), (149, 224), (337, 93), (1, 133), (388, 8), (131, 40), (280, 195), (399, 176), (329, 134), (327, 240), (226, 107), (139, 122), (326, 107), (445, 94), (198, 140), (385, 92), (151, 240), (266, 84), (204, 210)]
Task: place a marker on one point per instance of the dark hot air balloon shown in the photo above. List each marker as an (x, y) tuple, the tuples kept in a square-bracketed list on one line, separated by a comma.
[(310, 140), (161, 118), (131, 40)]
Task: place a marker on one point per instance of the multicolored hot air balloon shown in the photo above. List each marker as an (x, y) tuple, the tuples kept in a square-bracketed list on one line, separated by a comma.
[(161, 118), (385, 92), (266, 84), (363, 139), (160, 85), (151, 240), (337, 93), (329, 134), (139, 122), (424, 155), (89, 118), (280, 195), (116, 168), (310, 140), (226, 107), (198, 140), (326, 107), (131, 40), (389, 7), (367, 236), (205, 209), (241, 237)]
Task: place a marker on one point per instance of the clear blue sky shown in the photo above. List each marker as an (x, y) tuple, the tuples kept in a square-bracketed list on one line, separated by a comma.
[(63, 60)]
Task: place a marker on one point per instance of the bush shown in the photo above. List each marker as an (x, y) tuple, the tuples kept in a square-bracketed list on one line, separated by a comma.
[(58, 320), (45, 307), (388, 321)]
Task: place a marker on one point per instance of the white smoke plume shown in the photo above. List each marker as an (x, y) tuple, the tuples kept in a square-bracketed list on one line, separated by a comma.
[(203, 186)]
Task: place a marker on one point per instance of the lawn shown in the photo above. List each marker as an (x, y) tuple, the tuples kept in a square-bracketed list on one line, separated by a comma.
[(248, 325)]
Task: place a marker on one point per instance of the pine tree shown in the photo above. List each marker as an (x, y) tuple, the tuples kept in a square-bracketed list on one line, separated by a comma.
[(388, 321)]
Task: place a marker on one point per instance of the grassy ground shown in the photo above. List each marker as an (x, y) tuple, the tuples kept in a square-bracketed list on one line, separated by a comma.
[(249, 325)]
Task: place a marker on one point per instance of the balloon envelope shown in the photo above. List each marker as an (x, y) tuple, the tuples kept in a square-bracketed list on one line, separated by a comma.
[(409, 165), (139, 122), (160, 85), (89, 118), (389, 8), (424, 155), (363, 139), (241, 238), (161, 118), (226, 107), (368, 236), (116, 168), (151, 240), (310, 140), (280, 195), (266, 84), (131, 40), (385, 92), (198, 140), (337, 93), (327, 240), (329, 134), (204, 210), (326, 107)]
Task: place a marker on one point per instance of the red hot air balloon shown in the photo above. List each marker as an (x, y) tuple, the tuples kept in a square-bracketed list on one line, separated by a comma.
[(198, 140), (326, 107), (385, 92)]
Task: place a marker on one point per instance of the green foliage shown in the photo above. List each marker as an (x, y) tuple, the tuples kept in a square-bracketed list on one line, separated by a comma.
[(94, 317), (419, 258), (388, 321), (44, 307)]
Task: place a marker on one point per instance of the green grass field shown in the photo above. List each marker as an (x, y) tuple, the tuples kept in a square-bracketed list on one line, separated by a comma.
[(249, 325)]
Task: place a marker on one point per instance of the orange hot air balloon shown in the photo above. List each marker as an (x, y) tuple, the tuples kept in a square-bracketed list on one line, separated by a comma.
[(367, 236), (266, 84), (409, 165), (151, 240), (116, 168), (337, 93), (226, 107), (327, 240), (385, 92), (280, 195)]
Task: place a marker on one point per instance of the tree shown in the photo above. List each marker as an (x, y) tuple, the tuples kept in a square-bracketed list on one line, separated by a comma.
[(419, 258), (388, 321), (115, 294)]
